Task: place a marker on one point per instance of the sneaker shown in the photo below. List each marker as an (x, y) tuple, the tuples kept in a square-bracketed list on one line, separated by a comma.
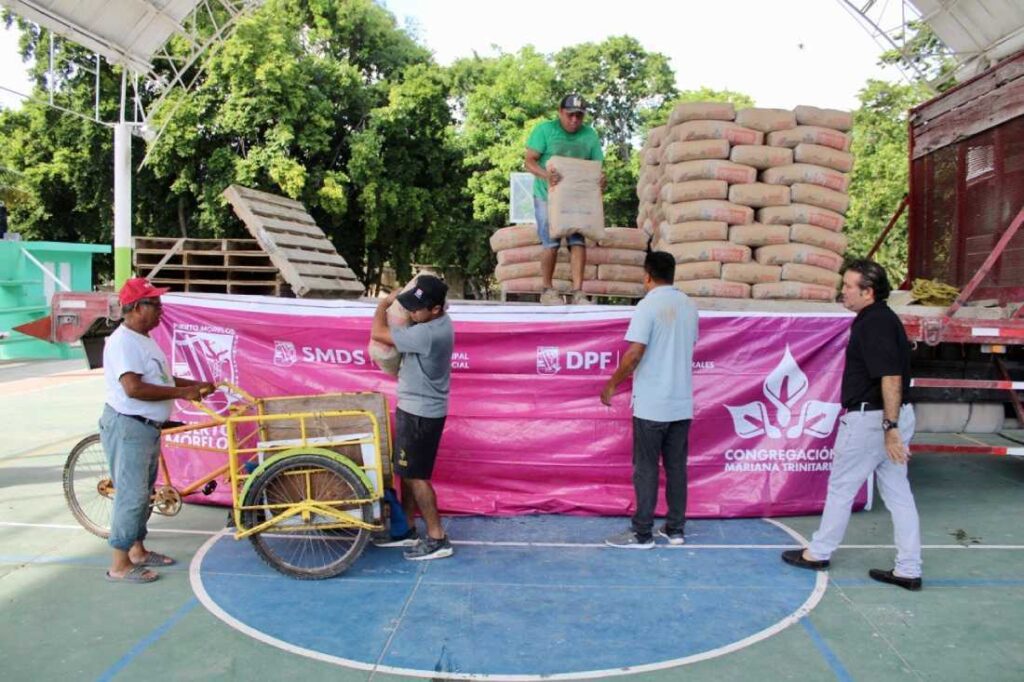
[(580, 298), (428, 548), (551, 297), (385, 540), (627, 539), (674, 537)]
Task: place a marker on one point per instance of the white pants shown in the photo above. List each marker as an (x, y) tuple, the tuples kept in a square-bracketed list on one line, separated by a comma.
[(860, 449)]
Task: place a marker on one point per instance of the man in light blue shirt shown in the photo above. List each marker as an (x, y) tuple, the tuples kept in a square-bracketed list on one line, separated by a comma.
[(661, 338)]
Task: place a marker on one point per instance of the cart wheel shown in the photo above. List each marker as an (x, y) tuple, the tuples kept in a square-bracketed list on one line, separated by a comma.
[(307, 548), (88, 487)]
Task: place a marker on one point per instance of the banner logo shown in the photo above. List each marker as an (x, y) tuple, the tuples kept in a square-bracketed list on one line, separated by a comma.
[(285, 354), (547, 360), (205, 353)]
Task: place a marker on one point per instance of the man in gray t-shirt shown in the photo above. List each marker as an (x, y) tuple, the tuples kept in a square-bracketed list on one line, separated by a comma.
[(423, 385)]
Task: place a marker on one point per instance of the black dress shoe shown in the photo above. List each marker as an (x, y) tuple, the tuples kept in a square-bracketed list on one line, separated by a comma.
[(912, 584), (795, 557)]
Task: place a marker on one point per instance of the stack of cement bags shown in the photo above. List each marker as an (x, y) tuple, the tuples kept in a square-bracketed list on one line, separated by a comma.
[(619, 258), (749, 202)]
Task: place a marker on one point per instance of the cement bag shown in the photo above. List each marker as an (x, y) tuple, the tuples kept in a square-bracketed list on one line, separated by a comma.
[(794, 290), (801, 213), (503, 273), (818, 236), (708, 209), (649, 192), (600, 255), (715, 130), (533, 285), (694, 231), (694, 111), (624, 289), (824, 118), (651, 157), (710, 169), (805, 254), (807, 174), (795, 272), (766, 120), (823, 156), (759, 194), (575, 204), (819, 196), (694, 190), (761, 157), (724, 252), (513, 236), (812, 135), (527, 254), (717, 288), (620, 273), (699, 270), (751, 273), (387, 357), (623, 238), (649, 174), (757, 234), (696, 149), (656, 135)]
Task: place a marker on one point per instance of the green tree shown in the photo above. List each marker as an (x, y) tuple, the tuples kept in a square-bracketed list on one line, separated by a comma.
[(923, 52)]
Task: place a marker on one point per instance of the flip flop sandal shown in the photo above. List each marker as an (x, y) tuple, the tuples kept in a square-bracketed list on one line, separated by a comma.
[(156, 559), (136, 574)]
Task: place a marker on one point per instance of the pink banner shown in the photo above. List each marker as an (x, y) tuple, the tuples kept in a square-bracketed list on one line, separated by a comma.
[(526, 431)]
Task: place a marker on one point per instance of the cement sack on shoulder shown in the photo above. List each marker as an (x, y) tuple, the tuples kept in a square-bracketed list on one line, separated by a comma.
[(623, 238), (823, 118), (694, 190), (759, 195), (527, 254), (715, 288), (819, 196), (760, 156), (623, 289), (620, 273), (823, 156), (600, 255), (695, 111), (808, 174), (708, 209), (793, 290), (714, 130), (694, 231), (385, 356), (656, 135), (723, 252), (533, 285), (780, 254), (812, 135), (699, 270), (503, 273), (801, 213), (652, 156), (809, 274), (710, 169), (695, 150), (818, 236), (513, 236), (766, 120), (751, 273), (758, 234), (575, 204)]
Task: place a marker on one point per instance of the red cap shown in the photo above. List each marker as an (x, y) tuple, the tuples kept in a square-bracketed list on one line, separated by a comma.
[(138, 288)]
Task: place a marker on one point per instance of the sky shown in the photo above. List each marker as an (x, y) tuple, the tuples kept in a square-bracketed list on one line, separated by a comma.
[(781, 52)]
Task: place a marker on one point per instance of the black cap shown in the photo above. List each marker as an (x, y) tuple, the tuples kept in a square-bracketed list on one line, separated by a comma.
[(573, 103), (427, 292)]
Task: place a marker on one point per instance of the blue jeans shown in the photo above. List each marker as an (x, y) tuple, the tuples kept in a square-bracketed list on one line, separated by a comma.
[(133, 453), (540, 212), (655, 442)]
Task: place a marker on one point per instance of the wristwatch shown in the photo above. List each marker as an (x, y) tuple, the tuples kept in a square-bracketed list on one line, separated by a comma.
[(889, 425)]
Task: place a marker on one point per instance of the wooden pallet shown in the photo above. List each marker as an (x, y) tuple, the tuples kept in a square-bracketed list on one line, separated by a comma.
[(225, 266), (305, 257)]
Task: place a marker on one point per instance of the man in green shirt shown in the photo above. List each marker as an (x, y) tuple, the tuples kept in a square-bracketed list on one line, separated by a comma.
[(569, 136)]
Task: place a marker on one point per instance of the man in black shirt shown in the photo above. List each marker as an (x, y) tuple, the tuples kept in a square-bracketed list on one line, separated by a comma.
[(874, 434)]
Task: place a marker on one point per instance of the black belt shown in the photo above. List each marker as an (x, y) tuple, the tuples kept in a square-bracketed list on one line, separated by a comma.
[(869, 407), (148, 422)]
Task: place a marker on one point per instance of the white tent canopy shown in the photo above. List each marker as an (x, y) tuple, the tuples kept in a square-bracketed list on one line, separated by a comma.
[(979, 32)]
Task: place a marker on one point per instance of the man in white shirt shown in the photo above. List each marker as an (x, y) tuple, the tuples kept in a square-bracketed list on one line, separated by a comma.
[(140, 393)]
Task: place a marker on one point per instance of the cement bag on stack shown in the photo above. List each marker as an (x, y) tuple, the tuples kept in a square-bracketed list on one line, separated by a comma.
[(819, 196), (716, 130), (801, 213), (694, 190), (761, 157), (759, 195), (818, 236), (709, 209), (504, 273), (698, 270), (649, 174), (620, 273), (656, 135), (812, 135), (534, 285), (751, 273), (794, 290), (758, 234), (710, 169), (624, 289), (694, 231), (766, 120), (805, 254), (599, 255), (822, 156), (723, 252), (513, 236), (649, 192), (824, 118), (695, 111), (807, 174), (527, 254), (717, 288), (575, 203), (623, 238), (696, 149), (809, 274), (651, 156)]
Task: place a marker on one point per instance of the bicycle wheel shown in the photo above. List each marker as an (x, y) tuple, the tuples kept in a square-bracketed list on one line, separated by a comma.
[(315, 547), (88, 486)]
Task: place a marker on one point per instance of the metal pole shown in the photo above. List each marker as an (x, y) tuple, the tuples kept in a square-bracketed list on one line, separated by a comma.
[(122, 203)]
